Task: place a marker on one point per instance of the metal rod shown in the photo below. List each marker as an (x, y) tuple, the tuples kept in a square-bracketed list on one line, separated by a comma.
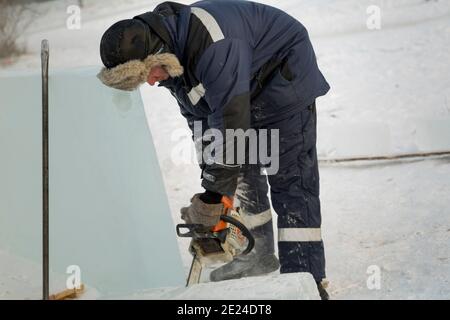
[(45, 178), (388, 157)]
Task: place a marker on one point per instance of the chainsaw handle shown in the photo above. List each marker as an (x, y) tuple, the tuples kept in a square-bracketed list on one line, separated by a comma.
[(228, 205), (193, 230), (245, 232)]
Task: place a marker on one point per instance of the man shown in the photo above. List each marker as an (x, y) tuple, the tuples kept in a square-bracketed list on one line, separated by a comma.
[(237, 65)]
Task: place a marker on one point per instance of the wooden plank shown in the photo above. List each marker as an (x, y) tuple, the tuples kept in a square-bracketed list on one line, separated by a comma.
[(68, 294)]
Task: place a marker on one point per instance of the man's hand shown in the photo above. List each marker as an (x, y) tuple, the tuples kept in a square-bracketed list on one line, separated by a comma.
[(201, 212)]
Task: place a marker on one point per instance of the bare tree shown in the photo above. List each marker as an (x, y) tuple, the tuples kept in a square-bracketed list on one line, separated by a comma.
[(15, 17)]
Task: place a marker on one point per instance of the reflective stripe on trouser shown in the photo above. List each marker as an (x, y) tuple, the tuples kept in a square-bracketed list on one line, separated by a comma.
[(299, 234), (295, 195)]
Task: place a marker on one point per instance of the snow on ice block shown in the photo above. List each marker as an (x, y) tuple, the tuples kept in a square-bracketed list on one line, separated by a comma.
[(431, 134), (408, 135), (288, 286), (353, 139), (109, 212)]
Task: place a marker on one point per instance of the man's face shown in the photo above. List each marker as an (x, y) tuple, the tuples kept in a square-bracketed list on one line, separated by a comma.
[(157, 74)]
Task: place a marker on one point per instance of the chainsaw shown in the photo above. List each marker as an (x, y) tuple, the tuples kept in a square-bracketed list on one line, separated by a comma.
[(220, 244)]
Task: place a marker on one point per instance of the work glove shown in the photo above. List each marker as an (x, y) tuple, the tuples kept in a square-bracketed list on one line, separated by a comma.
[(201, 212)]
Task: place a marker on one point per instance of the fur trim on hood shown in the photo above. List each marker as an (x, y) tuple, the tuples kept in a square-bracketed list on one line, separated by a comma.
[(130, 75)]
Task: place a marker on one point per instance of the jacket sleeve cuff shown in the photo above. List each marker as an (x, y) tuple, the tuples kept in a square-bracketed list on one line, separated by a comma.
[(220, 179)]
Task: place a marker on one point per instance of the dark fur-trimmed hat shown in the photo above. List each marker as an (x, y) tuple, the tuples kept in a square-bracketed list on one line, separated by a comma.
[(129, 49)]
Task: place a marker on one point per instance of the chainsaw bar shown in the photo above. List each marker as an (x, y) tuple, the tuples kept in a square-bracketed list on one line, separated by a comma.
[(194, 272), (207, 246)]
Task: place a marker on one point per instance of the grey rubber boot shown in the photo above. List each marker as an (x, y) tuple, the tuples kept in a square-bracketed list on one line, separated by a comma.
[(261, 260), (322, 286)]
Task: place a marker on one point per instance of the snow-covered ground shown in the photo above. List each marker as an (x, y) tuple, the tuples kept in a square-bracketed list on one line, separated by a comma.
[(390, 94)]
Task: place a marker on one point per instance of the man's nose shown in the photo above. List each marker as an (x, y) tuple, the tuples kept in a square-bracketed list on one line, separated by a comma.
[(151, 81)]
